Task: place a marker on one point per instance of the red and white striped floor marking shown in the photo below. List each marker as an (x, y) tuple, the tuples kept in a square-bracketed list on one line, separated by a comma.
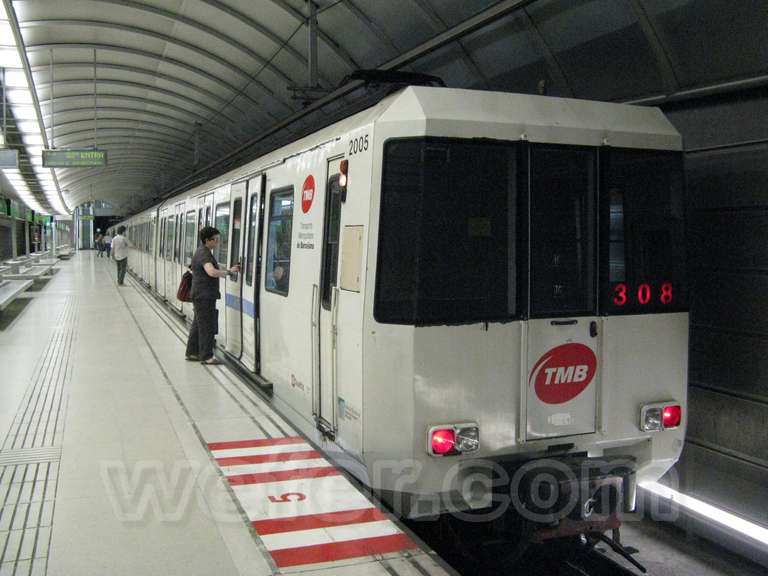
[(304, 509)]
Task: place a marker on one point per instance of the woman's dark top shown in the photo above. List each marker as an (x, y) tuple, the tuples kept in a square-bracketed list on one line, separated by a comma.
[(203, 286)]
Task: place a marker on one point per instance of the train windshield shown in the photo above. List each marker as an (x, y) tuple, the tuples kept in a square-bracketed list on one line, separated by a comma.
[(454, 241), (449, 236), (642, 231)]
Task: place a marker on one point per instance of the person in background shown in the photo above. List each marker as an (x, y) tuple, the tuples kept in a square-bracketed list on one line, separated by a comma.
[(107, 239), (120, 247), (205, 292), (99, 240)]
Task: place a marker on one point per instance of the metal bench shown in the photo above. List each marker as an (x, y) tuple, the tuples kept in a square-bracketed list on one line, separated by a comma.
[(45, 262), (27, 272), (10, 289)]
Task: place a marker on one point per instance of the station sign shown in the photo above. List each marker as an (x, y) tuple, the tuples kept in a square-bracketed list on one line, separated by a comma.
[(74, 158), (9, 158), (86, 217)]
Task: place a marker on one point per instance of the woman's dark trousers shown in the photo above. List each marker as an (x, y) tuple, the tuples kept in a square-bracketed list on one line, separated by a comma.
[(203, 330)]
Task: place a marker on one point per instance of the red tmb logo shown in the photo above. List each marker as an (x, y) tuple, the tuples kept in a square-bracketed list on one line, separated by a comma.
[(307, 194), (563, 373)]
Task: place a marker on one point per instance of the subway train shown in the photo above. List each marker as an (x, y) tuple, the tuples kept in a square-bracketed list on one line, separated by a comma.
[(453, 285)]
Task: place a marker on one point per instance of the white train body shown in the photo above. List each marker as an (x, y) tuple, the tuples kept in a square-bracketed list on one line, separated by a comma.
[(493, 272)]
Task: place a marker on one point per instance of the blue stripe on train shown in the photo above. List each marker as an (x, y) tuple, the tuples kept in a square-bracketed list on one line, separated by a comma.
[(234, 303)]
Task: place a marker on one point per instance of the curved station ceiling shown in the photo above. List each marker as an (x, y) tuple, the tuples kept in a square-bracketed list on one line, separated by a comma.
[(175, 90)]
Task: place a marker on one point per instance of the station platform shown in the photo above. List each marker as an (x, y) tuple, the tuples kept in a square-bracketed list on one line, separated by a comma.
[(117, 456)]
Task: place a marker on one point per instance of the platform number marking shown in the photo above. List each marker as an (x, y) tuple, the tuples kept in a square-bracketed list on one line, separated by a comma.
[(288, 497)]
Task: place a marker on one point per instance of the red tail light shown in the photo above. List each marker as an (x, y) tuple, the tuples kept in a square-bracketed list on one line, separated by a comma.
[(671, 416), (443, 441)]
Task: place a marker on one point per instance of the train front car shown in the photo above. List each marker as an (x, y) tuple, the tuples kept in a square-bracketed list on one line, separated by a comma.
[(526, 329)]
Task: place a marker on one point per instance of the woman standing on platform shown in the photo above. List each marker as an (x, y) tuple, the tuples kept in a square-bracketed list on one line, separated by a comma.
[(205, 292)]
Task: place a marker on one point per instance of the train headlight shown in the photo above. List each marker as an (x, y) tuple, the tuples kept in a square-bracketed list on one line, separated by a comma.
[(453, 439), (650, 420), (661, 416)]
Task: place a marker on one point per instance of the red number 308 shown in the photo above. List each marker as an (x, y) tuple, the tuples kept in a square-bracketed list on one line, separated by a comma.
[(620, 297)]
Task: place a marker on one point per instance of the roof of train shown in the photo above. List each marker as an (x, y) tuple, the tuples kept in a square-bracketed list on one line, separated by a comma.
[(481, 114)]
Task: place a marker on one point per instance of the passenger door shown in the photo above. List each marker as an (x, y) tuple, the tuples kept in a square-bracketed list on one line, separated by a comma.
[(327, 305), (562, 381), (178, 255), (221, 221), (170, 249), (251, 273), (161, 264), (234, 286)]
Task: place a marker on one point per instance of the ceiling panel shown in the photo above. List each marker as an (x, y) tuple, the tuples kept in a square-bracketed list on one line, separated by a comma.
[(224, 69)]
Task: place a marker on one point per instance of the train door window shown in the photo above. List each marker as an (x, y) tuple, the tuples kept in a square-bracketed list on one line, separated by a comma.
[(168, 237), (252, 230), (190, 233), (562, 220), (222, 225), (331, 245), (642, 252), (207, 215), (161, 251), (236, 227), (177, 246), (451, 232), (278, 274)]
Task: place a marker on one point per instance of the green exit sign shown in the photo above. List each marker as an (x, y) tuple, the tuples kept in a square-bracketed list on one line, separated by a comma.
[(74, 158)]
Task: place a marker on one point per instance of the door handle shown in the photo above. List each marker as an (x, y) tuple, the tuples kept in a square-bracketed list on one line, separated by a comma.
[(593, 328), (564, 322), (313, 322)]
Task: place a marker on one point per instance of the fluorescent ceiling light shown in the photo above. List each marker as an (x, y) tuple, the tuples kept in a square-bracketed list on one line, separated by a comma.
[(27, 116), (24, 112), (710, 512), (32, 139), (28, 127), (9, 58), (20, 96), (6, 33), (16, 79)]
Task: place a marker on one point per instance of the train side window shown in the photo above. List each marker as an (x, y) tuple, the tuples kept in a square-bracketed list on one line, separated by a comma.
[(277, 278), (189, 237), (252, 231), (563, 226), (237, 223), (222, 225)]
